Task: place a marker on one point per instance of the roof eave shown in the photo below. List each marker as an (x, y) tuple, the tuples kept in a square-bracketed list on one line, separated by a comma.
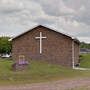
[(72, 37)]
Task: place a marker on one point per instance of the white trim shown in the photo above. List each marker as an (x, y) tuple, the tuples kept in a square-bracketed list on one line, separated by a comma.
[(73, 63), (40, 39), (83, 69)]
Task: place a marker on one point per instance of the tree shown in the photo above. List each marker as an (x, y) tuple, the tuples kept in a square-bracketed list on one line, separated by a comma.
[(5, 45), (85, 45)]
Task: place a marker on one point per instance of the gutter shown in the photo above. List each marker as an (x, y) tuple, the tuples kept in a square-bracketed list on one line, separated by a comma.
[(73, 62)]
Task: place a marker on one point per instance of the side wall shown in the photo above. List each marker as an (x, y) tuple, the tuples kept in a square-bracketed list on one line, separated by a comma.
[(76, 53), (57, 48)]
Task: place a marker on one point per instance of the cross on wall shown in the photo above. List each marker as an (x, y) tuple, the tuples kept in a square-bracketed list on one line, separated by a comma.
[(40, 41)]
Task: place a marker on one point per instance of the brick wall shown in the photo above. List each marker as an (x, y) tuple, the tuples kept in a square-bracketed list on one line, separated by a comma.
[(57, 48), (76, 53)]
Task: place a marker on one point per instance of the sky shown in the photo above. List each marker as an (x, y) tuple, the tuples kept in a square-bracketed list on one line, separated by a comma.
[(69, 16)]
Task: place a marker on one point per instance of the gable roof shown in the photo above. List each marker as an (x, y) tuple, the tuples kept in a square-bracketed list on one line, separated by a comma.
[(72, 37)]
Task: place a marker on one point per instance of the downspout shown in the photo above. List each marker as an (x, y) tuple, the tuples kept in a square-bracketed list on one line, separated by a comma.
[(73, 63)]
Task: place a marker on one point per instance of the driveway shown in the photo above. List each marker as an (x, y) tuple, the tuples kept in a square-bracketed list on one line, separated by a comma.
[(55, 85)]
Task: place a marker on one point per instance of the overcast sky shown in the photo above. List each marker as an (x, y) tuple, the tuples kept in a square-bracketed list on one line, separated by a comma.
[(71, 16)]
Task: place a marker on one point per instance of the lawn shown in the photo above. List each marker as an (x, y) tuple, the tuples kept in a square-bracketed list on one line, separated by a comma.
[(85, 61), (37, 72)]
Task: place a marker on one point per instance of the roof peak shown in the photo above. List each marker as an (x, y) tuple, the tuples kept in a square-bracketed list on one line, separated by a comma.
[(46, 26)]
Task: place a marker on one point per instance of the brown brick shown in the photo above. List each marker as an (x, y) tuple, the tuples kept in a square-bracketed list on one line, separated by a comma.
[(57, 47)]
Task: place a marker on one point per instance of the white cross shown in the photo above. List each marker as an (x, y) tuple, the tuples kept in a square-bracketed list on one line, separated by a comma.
[(41, 38)]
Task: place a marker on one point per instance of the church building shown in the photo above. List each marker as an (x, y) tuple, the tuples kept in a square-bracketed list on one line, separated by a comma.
[(46, 44)]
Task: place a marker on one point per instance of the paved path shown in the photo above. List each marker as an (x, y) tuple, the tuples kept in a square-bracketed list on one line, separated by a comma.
[(55, 85)]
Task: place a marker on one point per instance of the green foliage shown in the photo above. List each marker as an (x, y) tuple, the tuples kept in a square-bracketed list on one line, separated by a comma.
[(84, 45), (5, 45), (85, 62)]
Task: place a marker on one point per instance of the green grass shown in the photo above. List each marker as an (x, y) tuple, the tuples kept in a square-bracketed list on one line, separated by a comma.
[(85, 61), (37, 72)]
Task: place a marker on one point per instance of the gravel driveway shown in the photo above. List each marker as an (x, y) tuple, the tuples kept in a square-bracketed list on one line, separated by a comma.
[(55, 85)]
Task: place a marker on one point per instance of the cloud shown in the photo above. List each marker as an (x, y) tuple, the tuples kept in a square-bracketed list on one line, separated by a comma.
[(10, 6), (71, 16), (55, 7), (84, 39), (82, 10)]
